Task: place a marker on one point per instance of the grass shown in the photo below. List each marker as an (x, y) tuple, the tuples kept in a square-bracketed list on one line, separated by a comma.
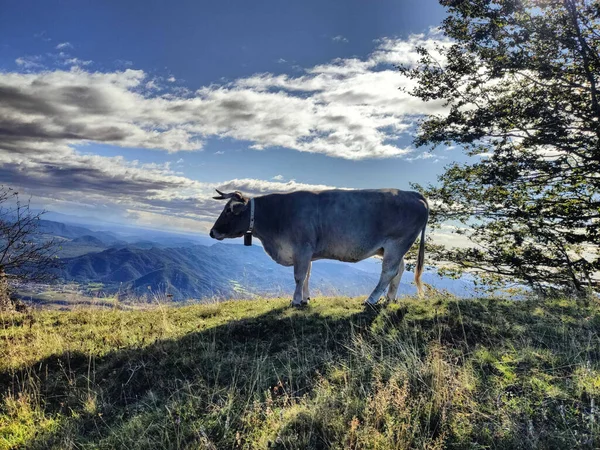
[(437, 373), (70, 296)]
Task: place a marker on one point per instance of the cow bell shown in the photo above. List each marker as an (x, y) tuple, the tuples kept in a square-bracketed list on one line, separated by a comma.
[(248, 239)]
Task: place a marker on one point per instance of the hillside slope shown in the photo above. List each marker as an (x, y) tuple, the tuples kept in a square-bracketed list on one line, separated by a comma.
[(438, 373)]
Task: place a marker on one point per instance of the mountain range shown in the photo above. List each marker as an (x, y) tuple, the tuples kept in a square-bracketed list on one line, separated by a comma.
[(167, 263)]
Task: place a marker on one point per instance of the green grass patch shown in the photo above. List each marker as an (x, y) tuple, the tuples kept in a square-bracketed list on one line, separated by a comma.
[(435, 373)]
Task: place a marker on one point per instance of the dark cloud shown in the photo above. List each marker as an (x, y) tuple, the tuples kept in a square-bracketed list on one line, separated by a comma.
[(47, 177), (85, 99), (14, 98), (235, 105), (16, 131)]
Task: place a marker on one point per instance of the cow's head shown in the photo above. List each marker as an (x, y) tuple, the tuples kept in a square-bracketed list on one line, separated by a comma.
[(235, 218)]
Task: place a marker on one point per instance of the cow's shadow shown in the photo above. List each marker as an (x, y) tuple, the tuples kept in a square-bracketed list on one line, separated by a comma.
[(281, 351)]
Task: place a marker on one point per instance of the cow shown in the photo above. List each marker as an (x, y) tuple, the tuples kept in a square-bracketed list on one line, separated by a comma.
[(299, 227)]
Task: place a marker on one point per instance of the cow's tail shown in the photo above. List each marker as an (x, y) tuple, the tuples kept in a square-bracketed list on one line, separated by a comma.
[(420, 263)]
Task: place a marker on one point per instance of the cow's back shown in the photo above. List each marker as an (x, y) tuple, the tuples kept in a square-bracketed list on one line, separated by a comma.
[(352, 225), (348, 225)]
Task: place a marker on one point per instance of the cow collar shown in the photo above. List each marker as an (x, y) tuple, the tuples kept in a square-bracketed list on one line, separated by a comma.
[(251, 227)]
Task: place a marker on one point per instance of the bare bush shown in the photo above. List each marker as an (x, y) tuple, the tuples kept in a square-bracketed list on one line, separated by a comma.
[(25, 253)]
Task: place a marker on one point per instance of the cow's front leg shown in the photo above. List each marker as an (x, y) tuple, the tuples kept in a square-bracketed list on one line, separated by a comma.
[(305, 290), (301, 268)]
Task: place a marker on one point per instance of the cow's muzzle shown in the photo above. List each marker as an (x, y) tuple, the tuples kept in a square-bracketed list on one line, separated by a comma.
[(215, 235)]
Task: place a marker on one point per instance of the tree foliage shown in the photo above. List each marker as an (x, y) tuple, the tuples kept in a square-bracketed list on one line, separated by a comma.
[(519, 79)]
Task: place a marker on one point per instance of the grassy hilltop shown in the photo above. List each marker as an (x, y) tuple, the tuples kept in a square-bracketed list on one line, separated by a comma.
[(437, 373)]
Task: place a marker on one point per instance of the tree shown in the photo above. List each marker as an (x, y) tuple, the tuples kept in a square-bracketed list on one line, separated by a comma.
[(520, 81), (25, 254)]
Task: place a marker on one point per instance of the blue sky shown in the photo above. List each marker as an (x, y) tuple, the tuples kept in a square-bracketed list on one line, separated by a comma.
[(135, 111), (200, 41)]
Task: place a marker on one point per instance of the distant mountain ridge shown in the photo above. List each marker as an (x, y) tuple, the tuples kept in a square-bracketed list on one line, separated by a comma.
[(224, 271), (76, 240), (147, 263), (72, 231), (88, 240)]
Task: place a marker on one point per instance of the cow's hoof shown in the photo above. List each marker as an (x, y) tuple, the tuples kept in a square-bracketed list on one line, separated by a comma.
[(299, 305), (377, 305)]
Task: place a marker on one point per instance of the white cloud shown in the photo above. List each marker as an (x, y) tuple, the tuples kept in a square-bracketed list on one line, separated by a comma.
[(339, 38), (151, 85), (447, 235), (123, 63), (278, 178), (424, 155), (76, 62), (348, 108), (75, 107), (261, 187), (29, 62), (64, 45), (171, 79), (42, 35)]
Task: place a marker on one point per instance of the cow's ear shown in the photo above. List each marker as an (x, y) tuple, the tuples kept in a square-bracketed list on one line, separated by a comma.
[(237, 196), (238, 207)]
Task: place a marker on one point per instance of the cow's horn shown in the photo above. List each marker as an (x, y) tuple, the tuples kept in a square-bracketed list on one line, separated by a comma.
[(223, 196)]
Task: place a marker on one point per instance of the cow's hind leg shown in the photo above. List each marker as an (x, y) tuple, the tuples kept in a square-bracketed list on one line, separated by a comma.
[(301, 268), (305, 291), (393, 289), (392, 256)]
